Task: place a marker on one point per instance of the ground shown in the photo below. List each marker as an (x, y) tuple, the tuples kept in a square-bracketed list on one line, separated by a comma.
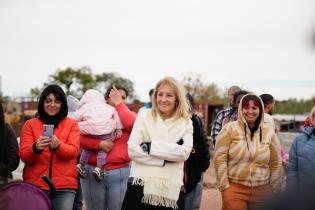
[(211, 196)]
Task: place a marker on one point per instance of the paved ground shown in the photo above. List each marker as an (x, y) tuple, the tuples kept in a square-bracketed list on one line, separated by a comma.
[(211, 196)]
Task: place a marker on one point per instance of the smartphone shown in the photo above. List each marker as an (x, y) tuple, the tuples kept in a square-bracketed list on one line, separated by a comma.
[(48, 130)]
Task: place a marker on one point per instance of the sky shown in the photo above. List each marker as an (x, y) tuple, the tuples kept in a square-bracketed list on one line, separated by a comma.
[(265, 46)]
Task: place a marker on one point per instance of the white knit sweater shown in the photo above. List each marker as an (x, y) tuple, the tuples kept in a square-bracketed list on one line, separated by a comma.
[(162, 181)]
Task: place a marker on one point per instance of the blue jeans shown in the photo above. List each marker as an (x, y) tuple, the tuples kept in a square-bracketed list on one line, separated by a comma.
[(193, 199), (108, 194), (78, 200), (63, 199)]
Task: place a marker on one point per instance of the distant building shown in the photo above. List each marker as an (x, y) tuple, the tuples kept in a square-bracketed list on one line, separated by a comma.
[(290, 122)]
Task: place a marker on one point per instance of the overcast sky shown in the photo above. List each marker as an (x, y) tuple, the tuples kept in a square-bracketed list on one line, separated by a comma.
[(261, 45)]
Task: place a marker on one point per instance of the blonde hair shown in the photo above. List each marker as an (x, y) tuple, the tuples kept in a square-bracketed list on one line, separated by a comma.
[(181, 104), (312, 115)]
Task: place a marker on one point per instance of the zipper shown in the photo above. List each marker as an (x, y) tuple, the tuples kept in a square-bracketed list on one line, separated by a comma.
[(50, 165)]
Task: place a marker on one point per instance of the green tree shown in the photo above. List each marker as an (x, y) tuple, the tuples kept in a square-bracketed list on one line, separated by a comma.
[(35, 92), (64, 77), (105, 80), (294, 106), (76, 81)]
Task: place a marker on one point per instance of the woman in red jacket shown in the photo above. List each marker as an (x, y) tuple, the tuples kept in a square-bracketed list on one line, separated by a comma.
[(52, 155), (109, 193)]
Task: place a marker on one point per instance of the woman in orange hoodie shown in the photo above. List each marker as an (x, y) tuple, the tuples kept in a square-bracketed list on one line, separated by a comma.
[(52, 155)]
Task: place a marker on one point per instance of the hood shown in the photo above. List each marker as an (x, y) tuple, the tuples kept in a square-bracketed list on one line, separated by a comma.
[(73, 103), (240, 116), (310, 131), (55, 120), (92, 95)]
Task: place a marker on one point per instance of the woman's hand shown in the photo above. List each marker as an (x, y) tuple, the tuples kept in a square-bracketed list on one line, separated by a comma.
[(42, 142), (115, 96), (118, 134), (54, 144), (106, 146)]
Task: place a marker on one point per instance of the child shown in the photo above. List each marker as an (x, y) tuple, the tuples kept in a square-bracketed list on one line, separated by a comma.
[(98, 119)]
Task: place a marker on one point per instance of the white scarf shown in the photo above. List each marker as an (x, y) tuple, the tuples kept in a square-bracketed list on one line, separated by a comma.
[(161, 185)]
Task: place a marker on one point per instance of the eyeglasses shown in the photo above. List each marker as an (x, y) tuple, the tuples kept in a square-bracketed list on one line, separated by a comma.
[(50, 102)]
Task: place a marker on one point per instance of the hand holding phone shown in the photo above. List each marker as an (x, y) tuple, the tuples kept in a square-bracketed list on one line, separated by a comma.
[(42, 142), (48, 130)]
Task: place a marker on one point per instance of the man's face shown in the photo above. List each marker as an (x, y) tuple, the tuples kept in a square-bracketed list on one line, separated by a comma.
[(231, 96), (271, 107), (237, 101)]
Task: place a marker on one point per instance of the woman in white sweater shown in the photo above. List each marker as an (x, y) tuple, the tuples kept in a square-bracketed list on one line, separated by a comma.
[(160, 142)]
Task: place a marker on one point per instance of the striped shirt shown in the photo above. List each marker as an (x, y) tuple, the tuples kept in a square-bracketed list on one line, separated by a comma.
[(218, 122)]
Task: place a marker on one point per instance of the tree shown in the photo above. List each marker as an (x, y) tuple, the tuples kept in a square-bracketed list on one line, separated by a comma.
[(105, 80), (294, 106), (201, 91), (211, 93), (35, 92), (64, 78), (76, 81)]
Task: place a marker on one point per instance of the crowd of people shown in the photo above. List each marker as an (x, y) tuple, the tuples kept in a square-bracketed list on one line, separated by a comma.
[(105, 156)]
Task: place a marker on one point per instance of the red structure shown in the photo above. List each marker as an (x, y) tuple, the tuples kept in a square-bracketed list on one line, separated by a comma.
[(207, 113)]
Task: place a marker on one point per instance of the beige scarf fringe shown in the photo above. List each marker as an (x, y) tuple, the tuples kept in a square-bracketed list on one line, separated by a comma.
[(156, 200)]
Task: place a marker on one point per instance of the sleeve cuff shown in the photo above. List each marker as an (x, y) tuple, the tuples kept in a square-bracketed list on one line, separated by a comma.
[(54, 150), (224, 187), (120, 105), (35, 150)]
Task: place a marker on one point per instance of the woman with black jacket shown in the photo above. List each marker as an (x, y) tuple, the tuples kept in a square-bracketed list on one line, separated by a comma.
[(9, 158), (197, 163)]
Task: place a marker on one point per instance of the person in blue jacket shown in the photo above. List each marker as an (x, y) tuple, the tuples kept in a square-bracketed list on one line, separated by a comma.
[(301, 166)]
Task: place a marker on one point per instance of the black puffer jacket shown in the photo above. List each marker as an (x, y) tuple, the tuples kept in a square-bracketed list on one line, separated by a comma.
[(9, 158), (199, 159)]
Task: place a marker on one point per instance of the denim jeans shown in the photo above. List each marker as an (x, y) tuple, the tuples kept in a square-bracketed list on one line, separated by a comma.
[(108, 194), (193, 198), (78, 200), (63, 199)]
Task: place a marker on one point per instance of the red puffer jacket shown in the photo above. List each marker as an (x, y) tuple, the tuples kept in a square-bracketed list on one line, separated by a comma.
[(118, 155), (59, 165)]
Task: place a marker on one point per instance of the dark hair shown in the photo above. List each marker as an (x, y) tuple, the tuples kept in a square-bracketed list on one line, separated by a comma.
[(3, 139), (267, 99), (191, 102), (118, 87), (234, 87), (151, 92), (257, 102), (60, 95), (238, 93)]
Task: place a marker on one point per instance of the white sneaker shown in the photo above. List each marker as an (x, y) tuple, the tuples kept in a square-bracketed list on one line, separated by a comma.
[(81, 171), (98, 174)]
